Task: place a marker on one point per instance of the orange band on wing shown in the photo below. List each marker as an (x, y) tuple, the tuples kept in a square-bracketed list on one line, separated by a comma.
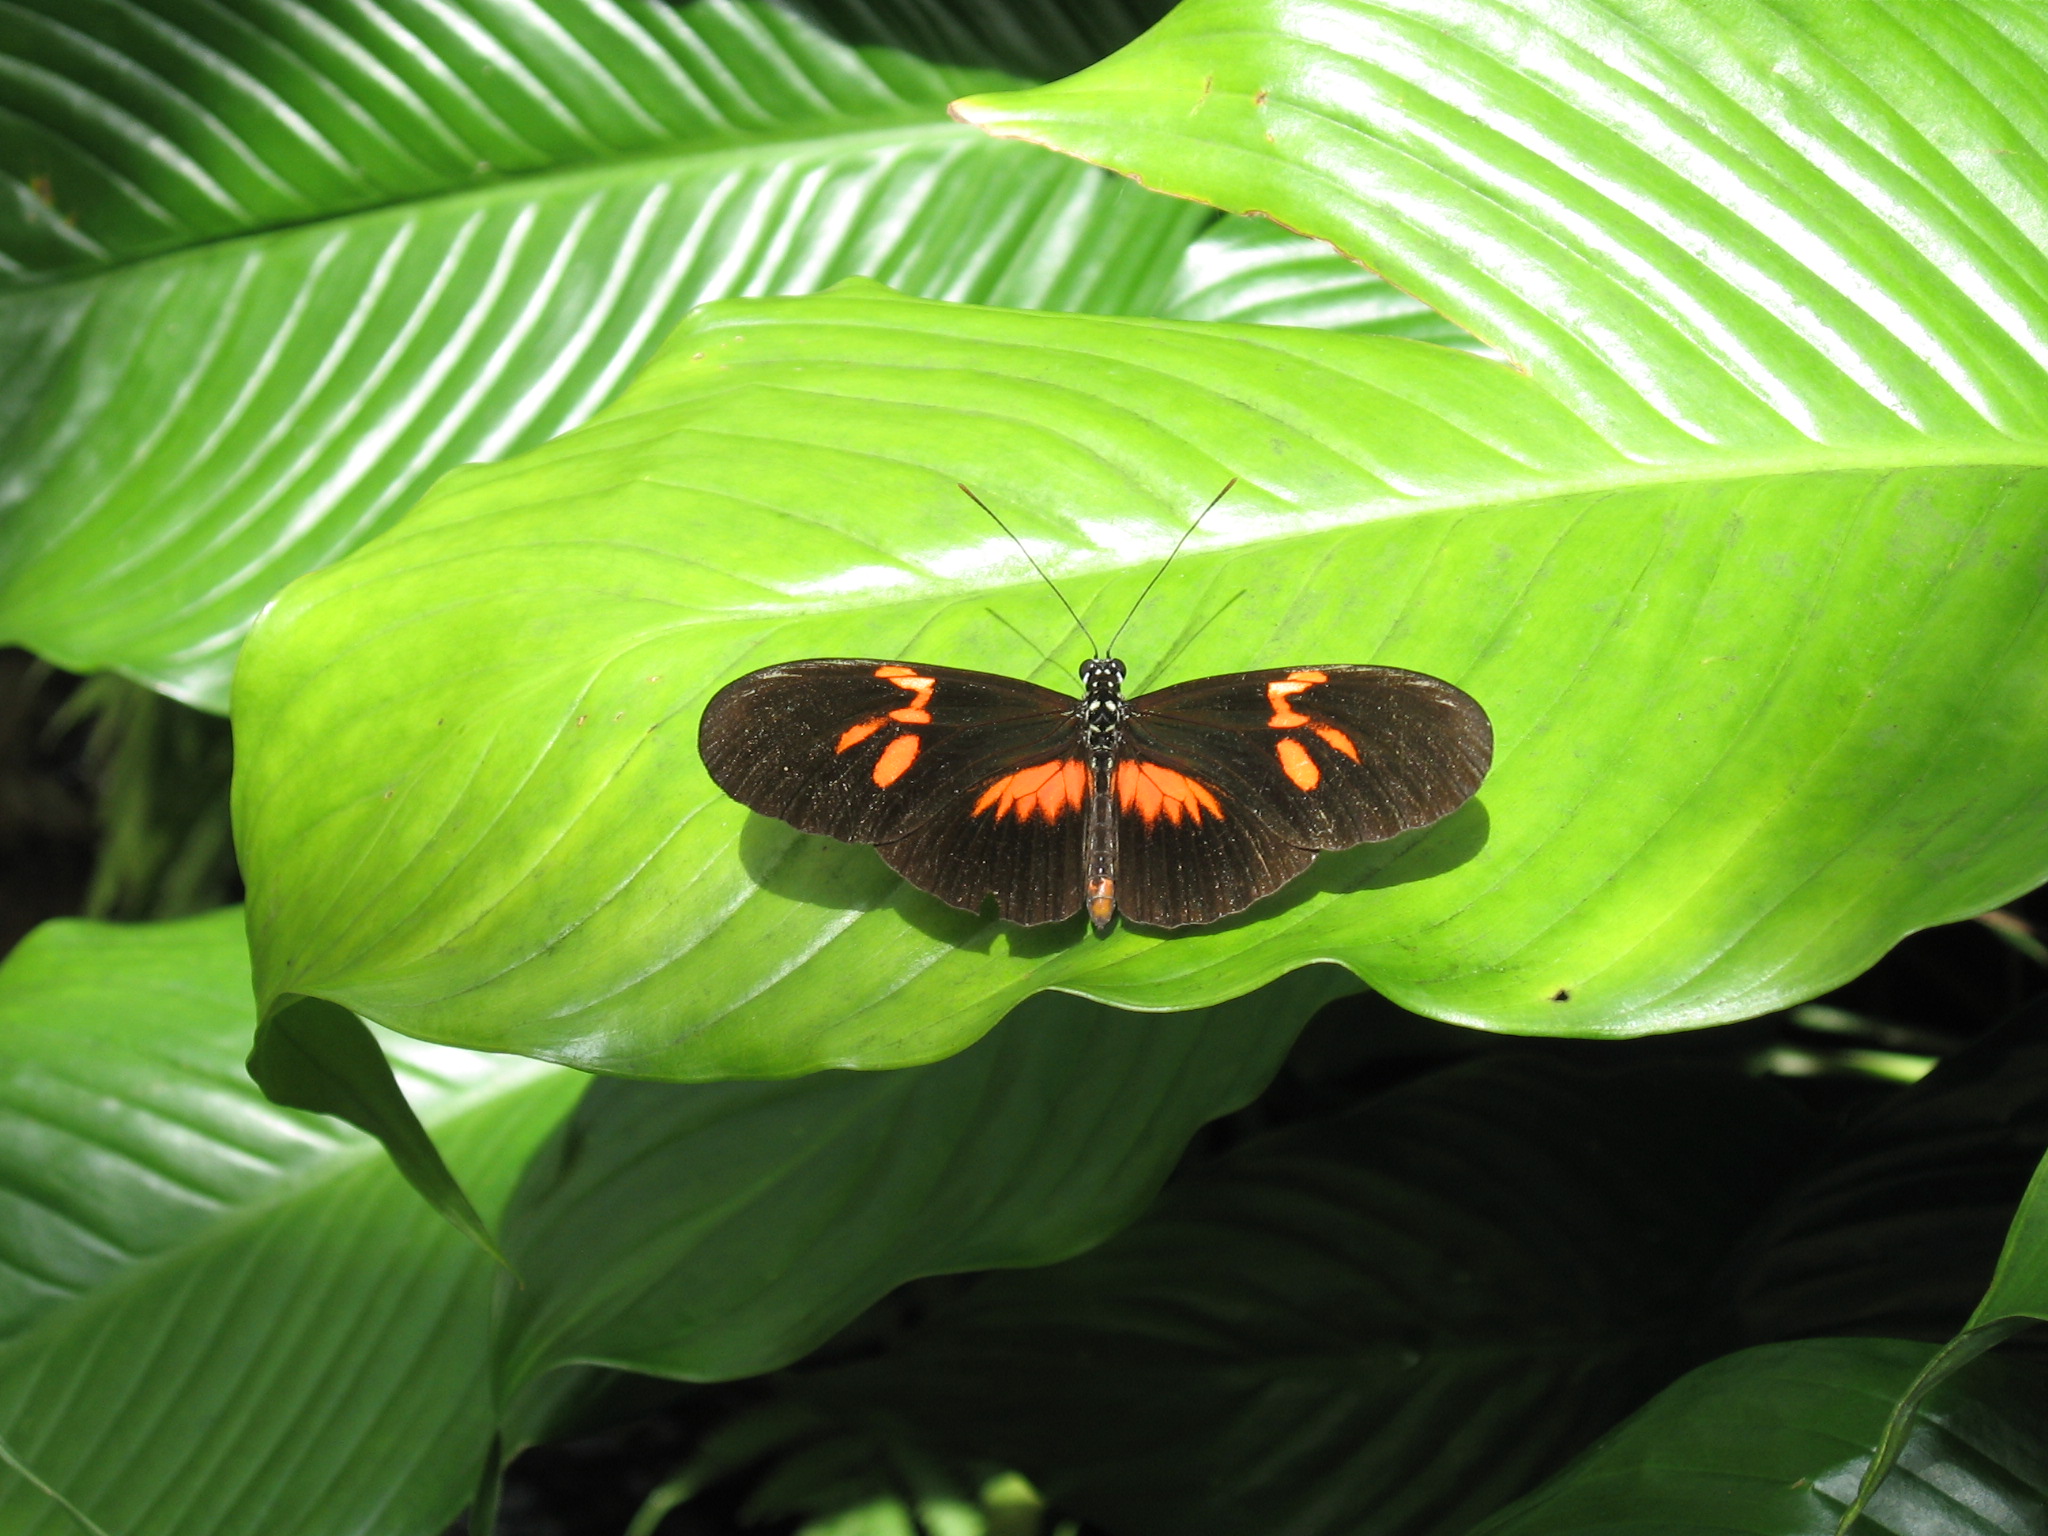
[(1154, 791), (1295, 762), (896, 759), (1285, 716), (908, 680), (1046, 789), (854, 735), (1337, 741)]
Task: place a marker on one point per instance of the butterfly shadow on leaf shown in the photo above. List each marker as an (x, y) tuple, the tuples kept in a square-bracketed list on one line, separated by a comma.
[(1422, 854), (823, 872), (849, 877)]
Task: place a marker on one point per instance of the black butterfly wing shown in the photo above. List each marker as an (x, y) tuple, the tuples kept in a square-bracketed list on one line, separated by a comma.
[(1280, 764), (970, 784)]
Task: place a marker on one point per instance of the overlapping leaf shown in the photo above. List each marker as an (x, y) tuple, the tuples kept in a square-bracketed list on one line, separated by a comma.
[(1771, 1442), (1256, 273), (1391, 1321), (1796, 225), (136, 129), (1733, 761), (1896, 1229), (219, 1316), (721, 1230), (2015, 1300), (393, 239)]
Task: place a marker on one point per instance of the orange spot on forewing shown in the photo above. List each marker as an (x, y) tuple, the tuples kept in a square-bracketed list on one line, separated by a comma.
[(1337, 741), (1278, 695), (896, 759), (1295, 762), (854, 735), (907, 679)]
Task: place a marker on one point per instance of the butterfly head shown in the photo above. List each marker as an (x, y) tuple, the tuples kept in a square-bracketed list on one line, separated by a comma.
[(1097, 670)]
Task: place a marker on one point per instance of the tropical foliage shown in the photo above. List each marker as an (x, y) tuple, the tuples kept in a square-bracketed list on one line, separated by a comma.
[(457, 395)]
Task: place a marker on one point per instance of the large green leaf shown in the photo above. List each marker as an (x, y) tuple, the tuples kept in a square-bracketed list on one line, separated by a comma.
[(1733, 765), (1779, 226), (1391, 1321), (1259, 274), (1771, 1442), (138, 128), (718, 1230), (219, 1316), (391, 239)]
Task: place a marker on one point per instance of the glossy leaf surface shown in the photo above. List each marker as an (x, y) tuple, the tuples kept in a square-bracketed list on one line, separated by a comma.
[(711, 1231), (218, 1316), (394, 239), (312, 1055), (1393, 1320), (1732, 760), (1771, 1442), (1799, 225), (1255, 273)]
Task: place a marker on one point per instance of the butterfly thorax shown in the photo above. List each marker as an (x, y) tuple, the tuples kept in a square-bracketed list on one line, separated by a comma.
[(1102, 713)]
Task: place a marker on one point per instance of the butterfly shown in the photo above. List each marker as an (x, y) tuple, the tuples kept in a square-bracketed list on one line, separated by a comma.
[(1176, 807)]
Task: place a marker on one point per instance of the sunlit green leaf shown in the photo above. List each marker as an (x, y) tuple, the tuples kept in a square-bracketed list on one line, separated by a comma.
[(393, 239), (1251, 271), (1733, 764), (218, 1316), (1797, 225), (309, 1054)]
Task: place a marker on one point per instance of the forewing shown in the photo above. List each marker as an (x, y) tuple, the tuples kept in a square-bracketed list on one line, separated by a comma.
[(869, 751), (1295, 760)]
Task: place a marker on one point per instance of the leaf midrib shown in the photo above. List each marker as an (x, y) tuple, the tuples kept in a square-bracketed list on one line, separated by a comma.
[(905, 124), (1100, 564)]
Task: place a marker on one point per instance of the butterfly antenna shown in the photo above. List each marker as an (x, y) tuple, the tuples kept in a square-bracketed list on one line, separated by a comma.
[(1056, 592), (1190, 533)]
